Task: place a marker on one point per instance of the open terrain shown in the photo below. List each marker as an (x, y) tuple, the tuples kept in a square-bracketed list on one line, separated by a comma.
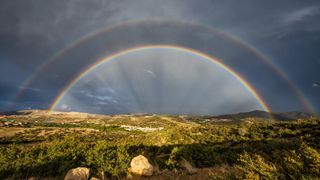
[(241, 146)]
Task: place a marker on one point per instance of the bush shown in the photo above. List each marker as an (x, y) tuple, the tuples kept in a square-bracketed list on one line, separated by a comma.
[(254, 166), (108, 159)]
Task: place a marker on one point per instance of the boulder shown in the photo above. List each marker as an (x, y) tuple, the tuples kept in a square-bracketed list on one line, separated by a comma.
[(141, 166), (93, 178), (80, 173)]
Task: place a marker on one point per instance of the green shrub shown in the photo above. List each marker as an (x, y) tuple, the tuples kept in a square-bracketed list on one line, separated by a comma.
[(311, 159), (113, 160), (254, 166)]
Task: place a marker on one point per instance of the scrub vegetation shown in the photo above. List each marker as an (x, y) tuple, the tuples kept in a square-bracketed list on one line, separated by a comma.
[(244, 148)]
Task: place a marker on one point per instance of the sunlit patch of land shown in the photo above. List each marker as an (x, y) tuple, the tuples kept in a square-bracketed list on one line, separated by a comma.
[(249, 145)]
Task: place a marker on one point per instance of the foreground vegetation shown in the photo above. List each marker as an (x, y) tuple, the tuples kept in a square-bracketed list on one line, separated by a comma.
[(246, 148)]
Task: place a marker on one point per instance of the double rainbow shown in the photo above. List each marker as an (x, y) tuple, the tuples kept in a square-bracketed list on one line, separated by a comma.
[(216, 61), (57, 56)]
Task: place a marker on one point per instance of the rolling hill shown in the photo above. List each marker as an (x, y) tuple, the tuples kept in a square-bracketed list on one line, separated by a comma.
[(37, 143)]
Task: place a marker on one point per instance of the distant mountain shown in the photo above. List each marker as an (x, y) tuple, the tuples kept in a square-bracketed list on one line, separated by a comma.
[(292, 115), (281, 116)]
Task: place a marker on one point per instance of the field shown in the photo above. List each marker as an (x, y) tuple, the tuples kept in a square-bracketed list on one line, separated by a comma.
[(42, 144)]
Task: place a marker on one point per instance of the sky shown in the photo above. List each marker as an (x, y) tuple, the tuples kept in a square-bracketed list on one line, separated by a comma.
[(272, 45), (158, 80)]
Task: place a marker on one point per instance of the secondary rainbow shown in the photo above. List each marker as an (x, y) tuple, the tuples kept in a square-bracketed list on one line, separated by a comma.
[(178, 48), (302, 98)]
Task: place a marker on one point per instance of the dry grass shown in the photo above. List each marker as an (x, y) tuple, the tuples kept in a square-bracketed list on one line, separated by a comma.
[(11, 131)]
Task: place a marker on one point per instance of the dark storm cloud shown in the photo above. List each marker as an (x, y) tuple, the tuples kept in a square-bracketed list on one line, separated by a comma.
[(31, 31)]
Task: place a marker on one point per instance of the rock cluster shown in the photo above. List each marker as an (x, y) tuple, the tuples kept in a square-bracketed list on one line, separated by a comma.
[(139, 166)]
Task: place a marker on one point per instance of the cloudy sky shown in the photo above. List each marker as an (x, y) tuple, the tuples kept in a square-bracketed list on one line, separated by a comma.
[(274, 46)]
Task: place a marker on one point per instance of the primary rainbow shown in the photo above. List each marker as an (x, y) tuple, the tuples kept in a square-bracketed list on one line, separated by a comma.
[(178, 48)]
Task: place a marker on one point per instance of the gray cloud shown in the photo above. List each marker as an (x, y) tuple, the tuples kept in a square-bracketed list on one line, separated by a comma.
[(32, 31), (315, 85), (301, 14)]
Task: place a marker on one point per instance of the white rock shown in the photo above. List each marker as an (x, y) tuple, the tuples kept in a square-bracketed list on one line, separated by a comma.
[(80, 173), (141, 166), (93, 178)]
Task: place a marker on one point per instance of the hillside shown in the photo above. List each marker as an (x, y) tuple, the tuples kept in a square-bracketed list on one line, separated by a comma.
[(280, 116), (251, 145)]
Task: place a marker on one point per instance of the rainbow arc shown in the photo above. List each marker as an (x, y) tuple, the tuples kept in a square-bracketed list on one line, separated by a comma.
[(177, 48)]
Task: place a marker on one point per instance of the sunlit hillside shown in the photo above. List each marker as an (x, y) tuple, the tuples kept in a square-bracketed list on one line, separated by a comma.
[(47, 145)]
